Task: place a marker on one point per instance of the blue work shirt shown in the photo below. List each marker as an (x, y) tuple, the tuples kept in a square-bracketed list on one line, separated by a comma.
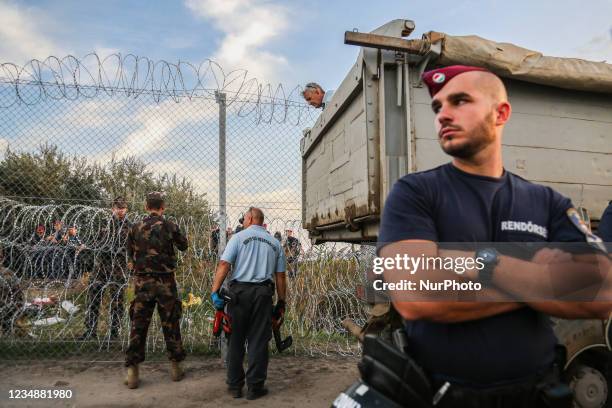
[(446, 204), (255, 254)]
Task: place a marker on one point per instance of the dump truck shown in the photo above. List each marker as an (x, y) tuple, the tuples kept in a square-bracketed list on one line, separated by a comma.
[(378, 126)]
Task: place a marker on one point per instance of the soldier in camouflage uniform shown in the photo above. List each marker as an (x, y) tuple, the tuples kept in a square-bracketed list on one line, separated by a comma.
[(11, 298), (110, 271), (151, 255)]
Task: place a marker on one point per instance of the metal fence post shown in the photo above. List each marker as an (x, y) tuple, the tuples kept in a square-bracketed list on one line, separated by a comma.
[(221, 101)]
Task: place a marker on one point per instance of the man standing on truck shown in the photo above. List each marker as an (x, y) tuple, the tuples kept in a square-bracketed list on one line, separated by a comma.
[(315, 96), (481, 353), (258, 263)]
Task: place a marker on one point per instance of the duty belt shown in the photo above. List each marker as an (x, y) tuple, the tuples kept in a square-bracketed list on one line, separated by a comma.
[(546, 391), (543, 389), (388, 368), (268, 283)]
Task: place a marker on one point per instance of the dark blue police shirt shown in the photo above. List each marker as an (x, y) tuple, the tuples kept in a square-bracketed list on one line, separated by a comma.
[(605, 226), (446, 204)]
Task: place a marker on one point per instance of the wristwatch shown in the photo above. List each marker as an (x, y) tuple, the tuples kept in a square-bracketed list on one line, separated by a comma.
[(489, 257)]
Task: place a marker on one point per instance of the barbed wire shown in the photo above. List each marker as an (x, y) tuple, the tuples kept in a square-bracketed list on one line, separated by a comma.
[(268, 205), (322, 283), (165, 126), (132, 76)]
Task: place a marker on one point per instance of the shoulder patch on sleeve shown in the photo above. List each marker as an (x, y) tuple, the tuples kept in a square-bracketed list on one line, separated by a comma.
[(592, 239)]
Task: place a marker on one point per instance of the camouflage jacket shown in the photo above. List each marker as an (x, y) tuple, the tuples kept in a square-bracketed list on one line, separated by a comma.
[(150, 245)]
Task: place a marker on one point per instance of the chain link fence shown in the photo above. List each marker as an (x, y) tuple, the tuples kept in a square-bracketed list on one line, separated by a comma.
[(74, 134)]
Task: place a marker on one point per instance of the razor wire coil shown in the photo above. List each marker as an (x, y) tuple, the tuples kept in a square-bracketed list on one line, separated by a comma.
[(131, 76), (75, 133)]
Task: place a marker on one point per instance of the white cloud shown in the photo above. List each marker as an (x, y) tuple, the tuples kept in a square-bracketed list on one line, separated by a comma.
[(281, 205), (248, 27), (205, 179), (96, 113), (599, 48), (156, 122), (21, 36), (26, 33)]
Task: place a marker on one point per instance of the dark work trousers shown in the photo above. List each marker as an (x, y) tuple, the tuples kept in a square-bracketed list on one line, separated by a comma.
[(251, 313), (111, 278)]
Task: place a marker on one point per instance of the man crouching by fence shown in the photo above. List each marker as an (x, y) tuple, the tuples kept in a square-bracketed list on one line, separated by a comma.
[(151, 256), (258, 258)]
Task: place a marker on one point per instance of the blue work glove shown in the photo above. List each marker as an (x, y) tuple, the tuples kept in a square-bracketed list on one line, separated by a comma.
[(218, 302)]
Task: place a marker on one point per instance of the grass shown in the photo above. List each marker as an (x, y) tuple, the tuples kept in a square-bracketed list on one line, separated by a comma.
[(320, 297)]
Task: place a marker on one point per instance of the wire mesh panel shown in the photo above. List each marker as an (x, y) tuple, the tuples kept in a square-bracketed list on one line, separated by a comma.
[(75, 134)]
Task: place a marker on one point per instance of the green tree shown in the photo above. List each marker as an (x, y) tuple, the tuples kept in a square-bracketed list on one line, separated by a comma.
[(128, 177), (37, 177), (182, 199), (49, 175)]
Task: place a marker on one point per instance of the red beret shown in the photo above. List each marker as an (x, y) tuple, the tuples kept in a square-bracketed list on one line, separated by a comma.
[(437, 78)]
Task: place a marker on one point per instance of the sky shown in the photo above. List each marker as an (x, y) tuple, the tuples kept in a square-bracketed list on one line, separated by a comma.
[(287, 42)]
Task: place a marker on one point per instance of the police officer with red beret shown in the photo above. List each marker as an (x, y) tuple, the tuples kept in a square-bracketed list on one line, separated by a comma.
[(481, 354)]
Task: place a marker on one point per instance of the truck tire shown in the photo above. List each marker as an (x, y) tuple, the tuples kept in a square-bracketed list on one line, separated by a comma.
[(590, 380)]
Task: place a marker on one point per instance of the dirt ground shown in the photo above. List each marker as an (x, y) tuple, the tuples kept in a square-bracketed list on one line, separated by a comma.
[(292, 381)]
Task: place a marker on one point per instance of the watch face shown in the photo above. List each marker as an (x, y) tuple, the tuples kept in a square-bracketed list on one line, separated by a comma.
[(487, 255)]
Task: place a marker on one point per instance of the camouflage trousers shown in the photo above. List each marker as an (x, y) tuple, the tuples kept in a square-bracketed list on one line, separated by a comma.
[(148, 292)]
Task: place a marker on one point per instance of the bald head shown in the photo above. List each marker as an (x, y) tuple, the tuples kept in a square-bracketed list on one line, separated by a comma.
[(258, 216), (471, 110), (490, 84), (477, 86), (485, 84), (254, 216)]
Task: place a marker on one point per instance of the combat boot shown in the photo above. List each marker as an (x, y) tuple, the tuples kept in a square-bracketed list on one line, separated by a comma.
[(256, 392), (131, 380), (176, 371)]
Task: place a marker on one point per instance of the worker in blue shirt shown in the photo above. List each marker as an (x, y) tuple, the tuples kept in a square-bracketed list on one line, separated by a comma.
[(258, 263), (491, 353)]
